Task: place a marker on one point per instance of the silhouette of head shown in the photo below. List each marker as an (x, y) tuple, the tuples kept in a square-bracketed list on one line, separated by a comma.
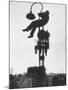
[(43, 14), (47, 12)]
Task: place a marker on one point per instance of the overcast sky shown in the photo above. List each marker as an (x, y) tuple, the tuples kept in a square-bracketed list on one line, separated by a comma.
[(22, 49)]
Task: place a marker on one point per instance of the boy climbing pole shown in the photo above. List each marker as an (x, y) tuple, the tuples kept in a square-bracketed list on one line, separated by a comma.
[(38, 23)]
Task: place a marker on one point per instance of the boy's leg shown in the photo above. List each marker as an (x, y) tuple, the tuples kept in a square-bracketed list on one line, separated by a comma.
[(32, 32), (29, 27)]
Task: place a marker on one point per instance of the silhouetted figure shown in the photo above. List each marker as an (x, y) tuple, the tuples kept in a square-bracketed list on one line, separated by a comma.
[(38, 23)]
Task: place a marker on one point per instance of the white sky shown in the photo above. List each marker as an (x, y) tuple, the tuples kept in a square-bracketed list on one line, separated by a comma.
[(22, 49)]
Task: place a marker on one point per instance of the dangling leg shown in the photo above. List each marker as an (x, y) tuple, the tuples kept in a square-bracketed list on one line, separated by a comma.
[(32, 32), (29, 27)]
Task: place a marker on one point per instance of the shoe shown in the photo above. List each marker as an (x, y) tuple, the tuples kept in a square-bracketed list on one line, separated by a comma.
[(25, 30), (30, 36)]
